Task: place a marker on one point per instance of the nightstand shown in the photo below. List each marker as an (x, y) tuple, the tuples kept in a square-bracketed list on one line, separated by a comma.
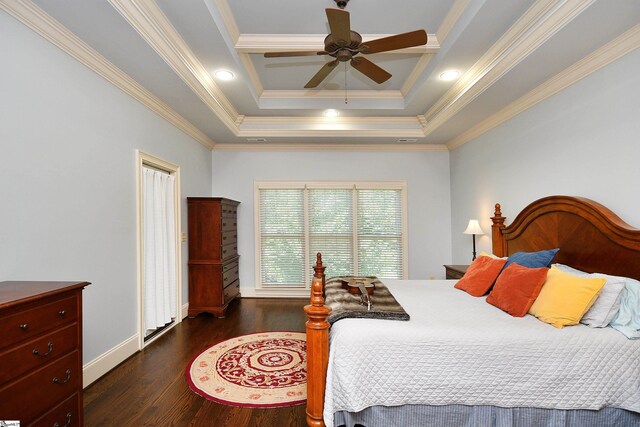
[(455, 271)]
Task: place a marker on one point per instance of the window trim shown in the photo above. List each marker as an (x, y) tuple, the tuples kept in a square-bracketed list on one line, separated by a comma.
[(354, 185)]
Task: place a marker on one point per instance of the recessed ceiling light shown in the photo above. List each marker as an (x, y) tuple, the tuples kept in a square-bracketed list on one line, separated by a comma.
[(330, 113), (224, 75), (450, 75)]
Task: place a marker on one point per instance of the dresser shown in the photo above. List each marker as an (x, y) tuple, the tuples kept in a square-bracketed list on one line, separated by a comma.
[(455, 271), (41, 353), (213, 255)]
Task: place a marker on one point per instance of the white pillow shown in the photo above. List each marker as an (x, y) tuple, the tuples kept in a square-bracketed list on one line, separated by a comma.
[(606, 306), (492, 255)]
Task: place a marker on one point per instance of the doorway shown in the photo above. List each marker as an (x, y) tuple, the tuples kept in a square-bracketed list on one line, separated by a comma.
[(159, 255)]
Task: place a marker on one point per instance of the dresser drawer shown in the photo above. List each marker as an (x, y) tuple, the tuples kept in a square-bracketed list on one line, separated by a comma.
[(229, 211), (231, 291), (229, 237), (66, 414), (229, 250), (38, 352), (33, 395), (27, 323), (230, 275), (229, 224)]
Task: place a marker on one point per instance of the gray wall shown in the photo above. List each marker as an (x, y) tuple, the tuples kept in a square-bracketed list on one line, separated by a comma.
[(584, 141), (67, 179), (426, 174)]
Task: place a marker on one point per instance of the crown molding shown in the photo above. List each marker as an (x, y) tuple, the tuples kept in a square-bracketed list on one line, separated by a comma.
[(330, 131), (361, 127), (310, 120), (150, 22), (321, 99), (40, 22), (331, 147), (252, 73), (538, 23), (332, 94), (617, 48), (227, 17), (260, 43), (415, 74), (450, 20)]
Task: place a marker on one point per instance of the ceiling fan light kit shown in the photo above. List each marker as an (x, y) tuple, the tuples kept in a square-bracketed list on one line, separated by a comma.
[(341, 3), (343, 44)]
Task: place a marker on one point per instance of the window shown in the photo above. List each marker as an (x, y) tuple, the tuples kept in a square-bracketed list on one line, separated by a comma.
[(358, 227)]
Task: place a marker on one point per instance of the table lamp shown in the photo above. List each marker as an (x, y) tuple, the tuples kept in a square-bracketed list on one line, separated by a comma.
[(473, 228)]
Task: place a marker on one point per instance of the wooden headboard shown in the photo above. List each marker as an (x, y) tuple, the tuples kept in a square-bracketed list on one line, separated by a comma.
[(590, 237)]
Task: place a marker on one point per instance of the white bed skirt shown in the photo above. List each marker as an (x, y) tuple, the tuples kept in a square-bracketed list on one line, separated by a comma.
[(485, 416)]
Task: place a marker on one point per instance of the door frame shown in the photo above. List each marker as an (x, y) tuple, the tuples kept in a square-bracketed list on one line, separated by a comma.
[(146, 159)]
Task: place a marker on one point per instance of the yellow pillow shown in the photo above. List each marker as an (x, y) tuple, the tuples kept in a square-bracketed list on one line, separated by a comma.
[(565, 298)]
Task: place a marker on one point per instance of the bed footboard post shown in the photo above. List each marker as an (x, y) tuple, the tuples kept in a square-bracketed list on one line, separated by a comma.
[(499, 243), (317, 347)]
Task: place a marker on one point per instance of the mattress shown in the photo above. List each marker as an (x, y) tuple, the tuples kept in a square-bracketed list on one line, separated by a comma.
[(458, 349)]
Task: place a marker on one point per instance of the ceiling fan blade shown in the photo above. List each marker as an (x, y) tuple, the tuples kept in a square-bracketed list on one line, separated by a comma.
[(283, 54), (399, 41), (321, 75), (340, 25), (370, 70)]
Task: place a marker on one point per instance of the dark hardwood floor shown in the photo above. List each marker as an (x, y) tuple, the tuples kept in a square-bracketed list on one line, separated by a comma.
[(149, 388)]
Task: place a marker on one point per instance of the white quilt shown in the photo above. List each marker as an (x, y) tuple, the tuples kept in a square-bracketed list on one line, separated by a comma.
[(458, 349)]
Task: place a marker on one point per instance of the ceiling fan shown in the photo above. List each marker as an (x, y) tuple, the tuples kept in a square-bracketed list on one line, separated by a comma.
[(344, 45)]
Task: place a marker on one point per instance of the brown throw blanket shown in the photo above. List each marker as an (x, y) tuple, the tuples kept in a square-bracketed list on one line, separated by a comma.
[(346, 305)]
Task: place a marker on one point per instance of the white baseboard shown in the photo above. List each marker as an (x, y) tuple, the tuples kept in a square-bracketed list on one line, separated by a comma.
[(185, 310), (109, 360), (275, 293)]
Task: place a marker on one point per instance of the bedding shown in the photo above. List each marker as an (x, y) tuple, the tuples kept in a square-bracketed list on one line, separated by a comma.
[(347, 305), (481, 275), (536, 259), (565, 298), (625, 312), (517, 288), (475, 354)]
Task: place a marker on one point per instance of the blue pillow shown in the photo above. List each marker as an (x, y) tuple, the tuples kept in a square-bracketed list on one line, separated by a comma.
[(533, 259)]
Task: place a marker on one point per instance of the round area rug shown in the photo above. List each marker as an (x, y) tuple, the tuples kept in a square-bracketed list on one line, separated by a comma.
[(262, 370)]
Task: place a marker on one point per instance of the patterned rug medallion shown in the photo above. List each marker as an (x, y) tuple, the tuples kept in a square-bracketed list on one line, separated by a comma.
[(262, 370)]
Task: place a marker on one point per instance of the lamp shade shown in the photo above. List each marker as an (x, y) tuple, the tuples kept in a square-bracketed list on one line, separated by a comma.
[(473, 227)]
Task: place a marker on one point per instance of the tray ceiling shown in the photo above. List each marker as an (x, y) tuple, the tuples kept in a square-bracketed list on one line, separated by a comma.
[(165, 52)]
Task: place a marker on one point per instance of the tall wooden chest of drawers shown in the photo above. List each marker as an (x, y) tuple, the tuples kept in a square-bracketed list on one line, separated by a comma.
[(41, 353), (213, 254)]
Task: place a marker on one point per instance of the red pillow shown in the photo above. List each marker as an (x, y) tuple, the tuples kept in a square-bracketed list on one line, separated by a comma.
[(480, 275), (517, 288)]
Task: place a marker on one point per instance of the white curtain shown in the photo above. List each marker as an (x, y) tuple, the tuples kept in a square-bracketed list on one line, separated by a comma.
[(159, 249)]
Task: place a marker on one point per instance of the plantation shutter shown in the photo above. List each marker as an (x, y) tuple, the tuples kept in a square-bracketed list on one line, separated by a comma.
[(331, 229), (380, 233), (282, 237)]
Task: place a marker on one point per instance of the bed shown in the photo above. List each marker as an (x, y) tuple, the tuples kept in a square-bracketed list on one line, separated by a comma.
[(461, 361)]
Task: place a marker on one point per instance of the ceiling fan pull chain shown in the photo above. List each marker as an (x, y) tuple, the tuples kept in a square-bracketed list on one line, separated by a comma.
[(346, 101)]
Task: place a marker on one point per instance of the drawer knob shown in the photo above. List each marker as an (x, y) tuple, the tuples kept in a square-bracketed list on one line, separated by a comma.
[(68, 421), (62, 313), (224, 237), (24, 326), (37, 353), (57, 380)]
